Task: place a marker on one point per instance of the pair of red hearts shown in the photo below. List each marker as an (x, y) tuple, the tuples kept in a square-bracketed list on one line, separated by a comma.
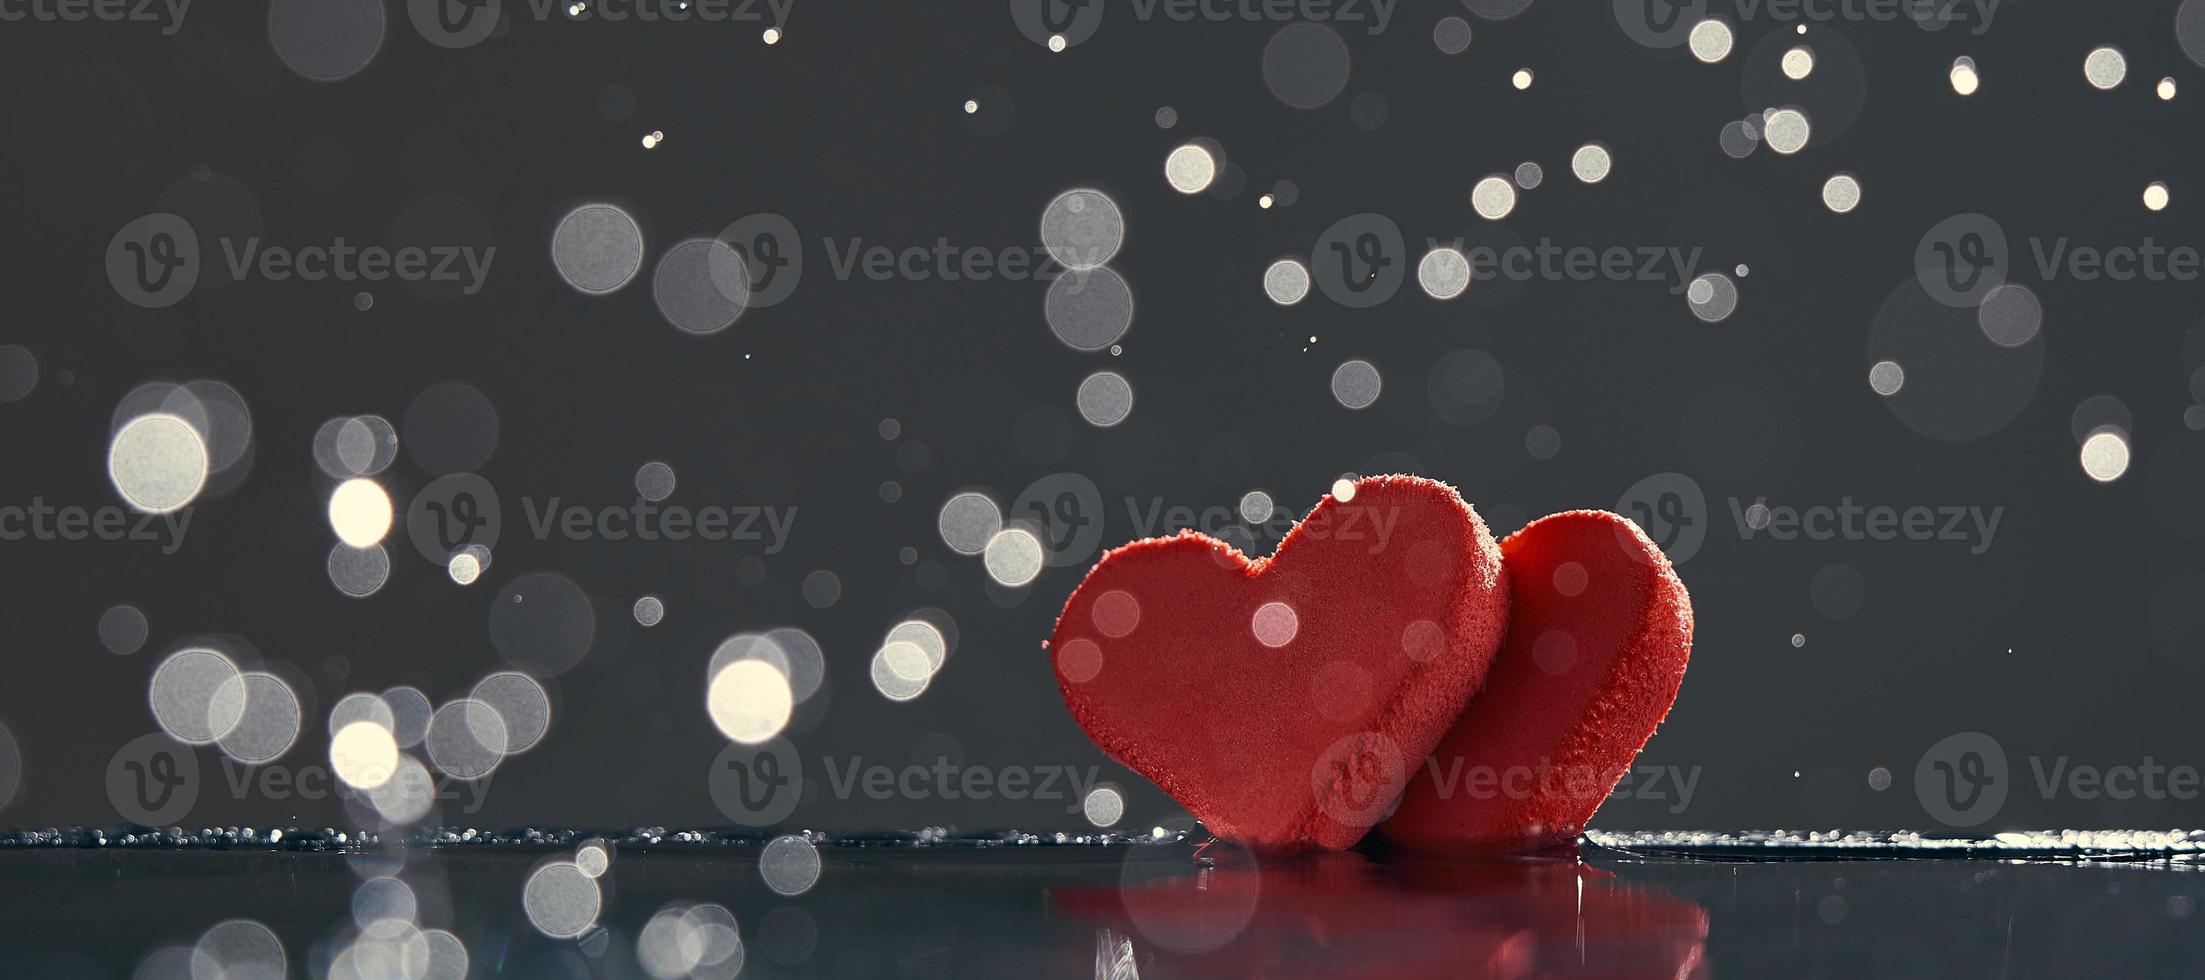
[(1389, 666)]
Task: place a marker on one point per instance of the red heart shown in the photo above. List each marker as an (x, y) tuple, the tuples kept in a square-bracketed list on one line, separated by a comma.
[(1285, 701), (1599, 631)]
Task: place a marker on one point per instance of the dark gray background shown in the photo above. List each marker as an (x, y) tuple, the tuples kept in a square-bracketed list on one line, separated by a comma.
[(2073, 635)]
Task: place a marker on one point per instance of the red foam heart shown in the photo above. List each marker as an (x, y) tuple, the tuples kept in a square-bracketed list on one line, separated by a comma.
[(1599, 632), (1378, 617)]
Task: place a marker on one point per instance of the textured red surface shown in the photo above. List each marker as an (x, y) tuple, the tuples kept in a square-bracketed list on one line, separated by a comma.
[(1599, 633), (1399, 604)]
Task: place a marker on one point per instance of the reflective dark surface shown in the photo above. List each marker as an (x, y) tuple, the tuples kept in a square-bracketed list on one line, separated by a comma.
[(1025, 907)]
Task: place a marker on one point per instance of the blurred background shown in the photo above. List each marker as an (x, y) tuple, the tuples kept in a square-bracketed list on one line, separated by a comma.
[(421, 322)]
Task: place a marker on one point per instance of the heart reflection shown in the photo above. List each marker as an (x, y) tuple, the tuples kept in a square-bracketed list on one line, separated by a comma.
[(1216, 912)]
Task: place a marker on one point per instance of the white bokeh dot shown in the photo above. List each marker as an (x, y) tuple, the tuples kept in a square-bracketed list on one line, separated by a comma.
[(1592, 163), (1286, 281), (2105, 456), (1841, 193), (1711, 40), (1444, 273), (2105, 68), (1356, 384), (1275, 624), (1190, 168), (1103, 807), (1886, 378), (1014, 557), (789, 864)]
